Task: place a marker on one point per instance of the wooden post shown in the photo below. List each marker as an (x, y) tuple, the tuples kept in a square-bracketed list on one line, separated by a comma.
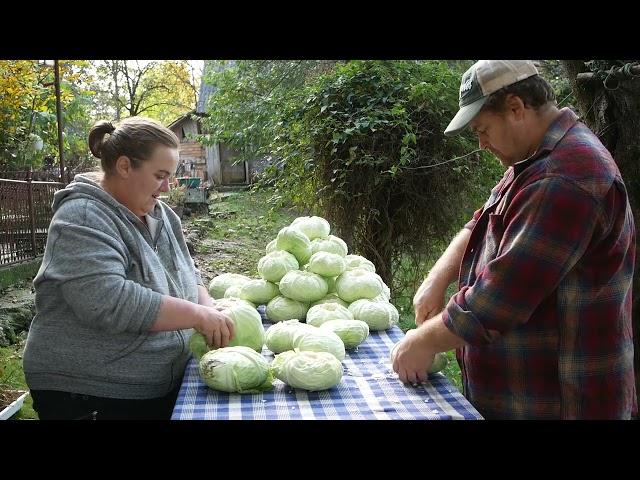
[(56, 69), (32, 215)]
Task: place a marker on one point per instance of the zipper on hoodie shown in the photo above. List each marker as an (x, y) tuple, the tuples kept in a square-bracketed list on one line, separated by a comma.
[(154, 242)]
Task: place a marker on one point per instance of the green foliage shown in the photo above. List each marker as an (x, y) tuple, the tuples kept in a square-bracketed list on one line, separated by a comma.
[(168, 91), (369, 145), (177, 195), (553, 72), (250, 97), (28, 108)]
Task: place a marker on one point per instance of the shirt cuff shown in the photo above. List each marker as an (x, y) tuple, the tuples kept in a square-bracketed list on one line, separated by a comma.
[(464, 323), (470, 224)]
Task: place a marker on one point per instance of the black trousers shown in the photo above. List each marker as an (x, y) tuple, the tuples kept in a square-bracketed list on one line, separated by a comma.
[(55, 405)]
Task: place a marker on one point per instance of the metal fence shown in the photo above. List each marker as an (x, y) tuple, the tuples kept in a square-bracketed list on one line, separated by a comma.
[(50, 175), (25, 214)]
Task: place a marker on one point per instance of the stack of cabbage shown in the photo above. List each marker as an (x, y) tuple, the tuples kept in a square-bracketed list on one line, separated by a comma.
[(306, 274), (304, 267)]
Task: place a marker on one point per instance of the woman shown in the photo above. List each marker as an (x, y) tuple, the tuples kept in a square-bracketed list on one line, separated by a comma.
[(117, 293)]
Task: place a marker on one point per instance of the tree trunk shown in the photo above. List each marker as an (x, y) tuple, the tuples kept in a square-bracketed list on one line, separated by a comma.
[(116, 88), (614, 115)]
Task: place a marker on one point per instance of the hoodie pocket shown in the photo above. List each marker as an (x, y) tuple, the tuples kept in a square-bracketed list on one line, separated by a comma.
[(130, 348)]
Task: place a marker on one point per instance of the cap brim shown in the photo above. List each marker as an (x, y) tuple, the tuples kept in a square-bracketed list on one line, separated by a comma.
[(464, 116)]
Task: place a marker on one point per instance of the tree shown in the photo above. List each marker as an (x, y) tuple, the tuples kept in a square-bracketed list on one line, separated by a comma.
[(27, 111), (162, 90), (21, 95), (250, 97), (608, 97)]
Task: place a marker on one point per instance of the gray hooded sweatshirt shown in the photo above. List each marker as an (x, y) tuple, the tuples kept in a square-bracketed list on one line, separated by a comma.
[(98, 292)]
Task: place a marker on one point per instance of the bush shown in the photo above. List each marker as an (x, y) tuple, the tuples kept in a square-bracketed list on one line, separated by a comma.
[(366, 150)]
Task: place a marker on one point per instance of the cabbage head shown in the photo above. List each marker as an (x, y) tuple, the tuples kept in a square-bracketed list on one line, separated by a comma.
[(386, 291), (258, 291), (312, 227), (303, 286), (331, 244), (358, 261), (198, 345), (295, 242), (319, 341), (248, 329), (378, 315), (351, 332), (236, 370), (326, 264), (222, 282), (311, 371), (357, 283), (279, 337), (232, 292), (274, 265), (330, 298), (271, 246), (282, 308), (324, 312), (230, 301)]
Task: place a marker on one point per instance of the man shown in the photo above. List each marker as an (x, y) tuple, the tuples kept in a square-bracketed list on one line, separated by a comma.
[(542, 318)]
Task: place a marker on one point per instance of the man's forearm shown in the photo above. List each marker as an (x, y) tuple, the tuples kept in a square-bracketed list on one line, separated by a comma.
[(445, 270), (434, 336)]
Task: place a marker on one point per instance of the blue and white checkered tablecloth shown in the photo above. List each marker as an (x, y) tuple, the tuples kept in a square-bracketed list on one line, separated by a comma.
[(369, 390)]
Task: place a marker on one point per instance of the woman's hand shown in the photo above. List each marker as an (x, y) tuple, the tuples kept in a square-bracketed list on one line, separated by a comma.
[(216, 327)]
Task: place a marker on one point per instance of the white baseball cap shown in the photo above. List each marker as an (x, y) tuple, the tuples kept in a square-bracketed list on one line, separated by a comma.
[(481, 80)]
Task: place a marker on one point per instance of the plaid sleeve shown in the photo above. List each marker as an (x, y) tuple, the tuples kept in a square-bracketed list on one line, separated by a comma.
[(527, 251)]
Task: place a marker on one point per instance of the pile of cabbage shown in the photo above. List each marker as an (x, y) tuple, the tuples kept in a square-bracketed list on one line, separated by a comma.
[(306, 266), (322, 301)]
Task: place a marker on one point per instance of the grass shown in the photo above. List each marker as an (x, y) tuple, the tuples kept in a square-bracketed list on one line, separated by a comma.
[(234, 235), (12, 377), (11, 374), (18, 273)]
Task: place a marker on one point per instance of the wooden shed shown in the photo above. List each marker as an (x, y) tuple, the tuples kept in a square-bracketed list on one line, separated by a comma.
[(213, 164)]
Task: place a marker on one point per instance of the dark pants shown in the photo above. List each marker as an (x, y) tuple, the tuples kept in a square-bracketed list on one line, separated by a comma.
[(54, 405)]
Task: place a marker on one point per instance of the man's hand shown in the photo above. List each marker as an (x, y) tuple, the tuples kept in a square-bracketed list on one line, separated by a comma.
[(411, 360), (428, 300)]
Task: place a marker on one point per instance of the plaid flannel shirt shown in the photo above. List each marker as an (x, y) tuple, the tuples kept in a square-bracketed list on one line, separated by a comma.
[(545, 284)]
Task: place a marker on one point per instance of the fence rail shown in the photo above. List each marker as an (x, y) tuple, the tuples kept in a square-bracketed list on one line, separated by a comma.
[(25, 214)]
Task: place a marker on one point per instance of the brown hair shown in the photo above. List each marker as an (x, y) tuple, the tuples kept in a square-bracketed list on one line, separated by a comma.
[(534, 91), (134, 137)]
